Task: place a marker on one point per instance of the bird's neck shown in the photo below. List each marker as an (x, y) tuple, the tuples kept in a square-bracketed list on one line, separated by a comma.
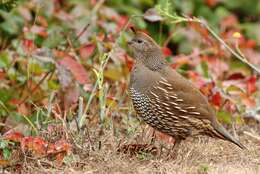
[(153, 60)]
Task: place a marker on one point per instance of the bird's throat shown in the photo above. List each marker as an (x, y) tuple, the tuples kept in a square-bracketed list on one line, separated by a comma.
[(154, 62)]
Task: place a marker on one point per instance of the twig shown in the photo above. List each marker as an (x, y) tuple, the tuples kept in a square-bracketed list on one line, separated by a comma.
[(237, 55), (180, 19), (34, 89), (252, 136), (82, 32)]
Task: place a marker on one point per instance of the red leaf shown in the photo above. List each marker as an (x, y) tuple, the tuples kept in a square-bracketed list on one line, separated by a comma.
[(207, 88), (164, 137), (251, 85), (229, 21), (42, 21), (62, 146), (129, 62), (236, 76), (202, 30), (28, 46), (180, 60), (59, 158), (251, 43), (59, 149), (122, 20), (166, 51), (22, 109), (51, 149), (2, 75), (217, 99), (41, 31), (230, 106), (14, 101), (13, 136), (211, 3), (86, 50), (247, 100), (93, 2), (35, 144), (76, 69), (196, 79)]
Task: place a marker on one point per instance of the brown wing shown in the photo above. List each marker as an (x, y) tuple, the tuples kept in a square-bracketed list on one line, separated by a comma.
[(180, 96)]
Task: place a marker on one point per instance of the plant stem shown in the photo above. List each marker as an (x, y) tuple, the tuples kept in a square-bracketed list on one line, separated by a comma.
[(179, 19)]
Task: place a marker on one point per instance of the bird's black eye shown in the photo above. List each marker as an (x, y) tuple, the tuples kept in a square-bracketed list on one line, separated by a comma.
[(139, 41)]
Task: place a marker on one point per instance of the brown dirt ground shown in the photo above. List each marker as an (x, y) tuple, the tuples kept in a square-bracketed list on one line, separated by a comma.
[(200, 155)]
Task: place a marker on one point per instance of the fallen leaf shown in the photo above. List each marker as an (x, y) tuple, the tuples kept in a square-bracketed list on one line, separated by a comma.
[(114, 73), (166, 51), (216, 99), (236, 76), (70, 98), (86, 51), (62, 145), (36, 145), (248, 101), (122, 22), (229, 21), (13, 136), (28, 46), (212, 3), (2, 75), (197, 79), (76, 69), (39, 30), (129, 62), (202, 30), (251, 85), (207, 88)]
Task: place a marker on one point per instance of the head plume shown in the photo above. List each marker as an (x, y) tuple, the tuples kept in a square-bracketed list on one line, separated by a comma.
[(143, 43), (146, 50)]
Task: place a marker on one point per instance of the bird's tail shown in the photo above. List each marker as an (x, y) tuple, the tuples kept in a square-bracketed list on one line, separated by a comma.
[(227, 136)]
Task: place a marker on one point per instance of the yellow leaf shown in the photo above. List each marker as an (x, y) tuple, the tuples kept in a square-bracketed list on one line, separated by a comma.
[(114, 74)]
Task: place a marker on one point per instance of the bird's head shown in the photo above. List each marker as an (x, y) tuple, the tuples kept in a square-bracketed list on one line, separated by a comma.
[(143, 45)]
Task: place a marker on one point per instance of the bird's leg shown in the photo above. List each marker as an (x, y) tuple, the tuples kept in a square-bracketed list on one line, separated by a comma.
[(172, 153), (153, 137)]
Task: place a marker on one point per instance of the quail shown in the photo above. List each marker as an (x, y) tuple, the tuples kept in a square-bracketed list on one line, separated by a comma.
[(166, 100)]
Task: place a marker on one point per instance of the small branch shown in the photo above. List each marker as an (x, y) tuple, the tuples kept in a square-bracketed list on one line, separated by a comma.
[(34, 89), (252, 136), (237, 55), (82, 32), (179, 19)]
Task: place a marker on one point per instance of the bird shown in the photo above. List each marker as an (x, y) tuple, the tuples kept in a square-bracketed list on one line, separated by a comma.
[(166, 100)]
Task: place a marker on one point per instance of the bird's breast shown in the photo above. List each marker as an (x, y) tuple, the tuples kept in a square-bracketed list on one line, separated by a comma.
[(142, 78)]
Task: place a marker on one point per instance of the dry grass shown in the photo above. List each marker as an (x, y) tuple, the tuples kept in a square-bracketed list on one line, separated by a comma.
[(195, 156)]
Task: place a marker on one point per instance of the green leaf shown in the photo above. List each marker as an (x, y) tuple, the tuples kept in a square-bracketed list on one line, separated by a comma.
[(6, 153), (7, 5), (224, 117), (234, 88), (205, 68), (55, 37), (4, 61), (53, 85), (35, 68), (3, 144), (5, 94), (240, 66), (12, 23)]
